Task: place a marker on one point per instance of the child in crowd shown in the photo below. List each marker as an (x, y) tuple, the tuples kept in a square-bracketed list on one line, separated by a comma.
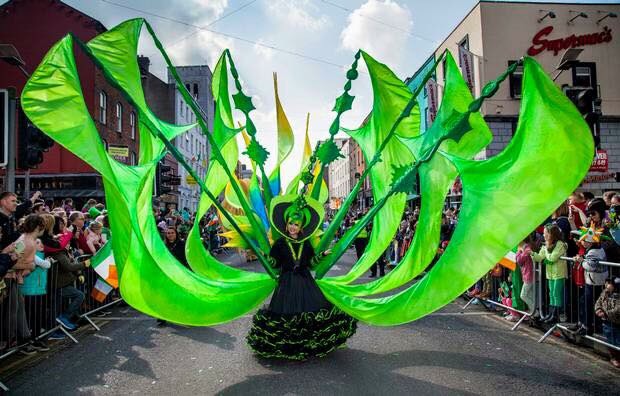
[(26, 245), (526, 266), (94, 238), (607, 308), (555, 269), (594, 274)]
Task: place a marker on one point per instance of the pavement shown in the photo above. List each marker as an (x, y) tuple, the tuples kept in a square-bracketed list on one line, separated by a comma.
[(448, 352)]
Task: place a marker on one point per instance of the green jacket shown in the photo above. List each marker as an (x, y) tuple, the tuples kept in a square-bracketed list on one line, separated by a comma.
[(556, 268)]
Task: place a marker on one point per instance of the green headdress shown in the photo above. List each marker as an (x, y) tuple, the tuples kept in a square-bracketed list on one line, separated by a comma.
[(307, 211)]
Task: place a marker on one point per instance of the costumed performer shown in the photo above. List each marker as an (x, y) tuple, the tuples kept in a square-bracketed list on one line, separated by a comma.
[(299, 322)]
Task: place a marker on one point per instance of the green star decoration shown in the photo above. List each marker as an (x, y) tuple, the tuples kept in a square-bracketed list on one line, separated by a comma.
[(343, 103), (257, 153), (307, 177), (403, 179), (328, 152), (243, 102)]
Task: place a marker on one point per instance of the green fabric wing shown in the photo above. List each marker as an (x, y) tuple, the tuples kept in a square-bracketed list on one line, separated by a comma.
[(391, 95), (435, 178), (151, 279), (504, 198)]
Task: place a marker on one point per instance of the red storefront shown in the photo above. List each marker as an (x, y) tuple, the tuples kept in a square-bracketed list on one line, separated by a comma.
[(32, 27)]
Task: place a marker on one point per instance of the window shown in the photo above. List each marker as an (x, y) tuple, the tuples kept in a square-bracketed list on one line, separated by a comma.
[(105, 144), (132, 124), (443, 68), (464, 43), (132, 158), (119, 117), (195, 90), (584, 75), (188, 88), (515, 81), (103, 107)]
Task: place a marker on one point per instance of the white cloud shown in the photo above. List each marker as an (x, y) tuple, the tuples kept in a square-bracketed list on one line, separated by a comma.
[(265, 53), (298, 13), (384, 43), (187, 45), (204, 47)]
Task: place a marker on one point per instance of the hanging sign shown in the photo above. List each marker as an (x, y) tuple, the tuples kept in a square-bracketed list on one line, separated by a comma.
[(600, 162)]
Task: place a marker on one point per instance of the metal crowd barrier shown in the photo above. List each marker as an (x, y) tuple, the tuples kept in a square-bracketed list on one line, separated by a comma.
[(36, 314), (579, 307), (576, 307), (494, 296)]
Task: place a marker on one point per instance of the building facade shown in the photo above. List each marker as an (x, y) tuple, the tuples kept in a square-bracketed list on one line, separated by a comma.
[(496, 33), (193, 144), (32, 27), (340, 174), (160, 96), (357, 166)]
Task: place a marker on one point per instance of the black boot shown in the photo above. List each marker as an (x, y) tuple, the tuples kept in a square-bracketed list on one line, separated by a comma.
[(553, 317), (543, 318)]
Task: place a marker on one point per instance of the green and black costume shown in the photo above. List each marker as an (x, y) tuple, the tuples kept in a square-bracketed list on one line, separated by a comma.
[(299, 322)]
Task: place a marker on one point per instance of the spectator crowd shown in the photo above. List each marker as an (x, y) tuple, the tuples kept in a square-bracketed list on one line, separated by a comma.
[(559, 276), (45, 277)]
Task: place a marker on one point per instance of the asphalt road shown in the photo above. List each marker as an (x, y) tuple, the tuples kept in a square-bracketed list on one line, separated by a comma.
[(444, 353)]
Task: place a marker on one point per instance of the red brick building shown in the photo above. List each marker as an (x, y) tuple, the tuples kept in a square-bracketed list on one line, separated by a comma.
[(356, 168), (33, 26)]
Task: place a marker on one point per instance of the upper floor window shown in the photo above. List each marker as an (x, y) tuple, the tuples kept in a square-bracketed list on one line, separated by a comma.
[(584, 75), (195, 90), (119, 117), (103, 107), (516, 79), (132, 158), (132, 124)]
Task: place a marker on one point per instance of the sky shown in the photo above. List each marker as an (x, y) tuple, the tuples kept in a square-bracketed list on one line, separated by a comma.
[(309, 43)]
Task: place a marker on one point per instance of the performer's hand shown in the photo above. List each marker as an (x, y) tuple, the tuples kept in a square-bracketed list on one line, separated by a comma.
[(327, 252)]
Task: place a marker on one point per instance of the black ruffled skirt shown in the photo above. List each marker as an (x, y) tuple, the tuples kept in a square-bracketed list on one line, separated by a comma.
[(299, 322)]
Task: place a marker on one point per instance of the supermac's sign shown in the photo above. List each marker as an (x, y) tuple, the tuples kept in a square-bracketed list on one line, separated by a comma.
[(540, 42)]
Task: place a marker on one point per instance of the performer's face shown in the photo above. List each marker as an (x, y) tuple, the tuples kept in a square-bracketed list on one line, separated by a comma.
[(293, 229)]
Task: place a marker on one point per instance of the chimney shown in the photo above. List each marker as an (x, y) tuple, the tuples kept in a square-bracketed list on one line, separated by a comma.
[(144, 63)]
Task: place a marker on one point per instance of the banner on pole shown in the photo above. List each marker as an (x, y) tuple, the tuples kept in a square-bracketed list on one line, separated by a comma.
[(466, 60), (432, 97)]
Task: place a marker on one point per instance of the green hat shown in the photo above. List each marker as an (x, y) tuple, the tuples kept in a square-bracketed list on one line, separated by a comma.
[(307, 211), (93, 212)]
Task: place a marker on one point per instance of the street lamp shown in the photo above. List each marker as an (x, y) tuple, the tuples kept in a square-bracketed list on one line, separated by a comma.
[(10, 55), (579, 15), (607, 15), (549, 14)]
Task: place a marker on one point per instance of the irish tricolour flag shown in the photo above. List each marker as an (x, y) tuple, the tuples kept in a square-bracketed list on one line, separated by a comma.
[(104, 265), (101, 290), (509, 260)]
